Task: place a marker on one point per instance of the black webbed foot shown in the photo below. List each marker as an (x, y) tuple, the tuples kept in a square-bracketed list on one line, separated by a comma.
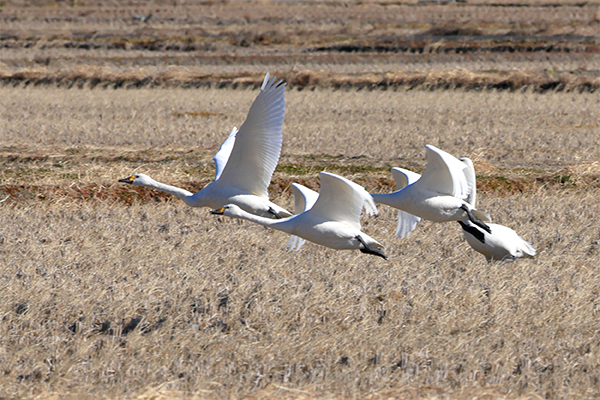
[(371, 249), (272, 211), (476, 220)]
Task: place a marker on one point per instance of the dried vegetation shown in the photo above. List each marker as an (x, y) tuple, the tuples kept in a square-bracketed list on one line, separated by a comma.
[(474, 45), (109, 291)]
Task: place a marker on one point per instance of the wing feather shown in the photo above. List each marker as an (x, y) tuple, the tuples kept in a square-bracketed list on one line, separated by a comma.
[(471, 181), (406, 224), (258, 142), (404, 177), (341, 200), (223, 154), (304, 198), (295, 243), (444, 174)]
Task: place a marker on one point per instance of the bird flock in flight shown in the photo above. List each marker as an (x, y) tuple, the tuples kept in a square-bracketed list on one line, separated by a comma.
[(245, 162)]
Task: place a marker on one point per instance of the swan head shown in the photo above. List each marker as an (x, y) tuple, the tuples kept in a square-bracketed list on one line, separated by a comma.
[(137, 179), (527, 252), (230, 210)]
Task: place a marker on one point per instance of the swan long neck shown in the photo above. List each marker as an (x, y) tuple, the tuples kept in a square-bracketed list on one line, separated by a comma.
[(390, 199), (279, 224), (175, 191)]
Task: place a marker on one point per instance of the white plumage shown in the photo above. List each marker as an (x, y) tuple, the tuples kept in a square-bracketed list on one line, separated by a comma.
[(333, 221), (437, 195), (502, 243), (245, 161), (304, 199)]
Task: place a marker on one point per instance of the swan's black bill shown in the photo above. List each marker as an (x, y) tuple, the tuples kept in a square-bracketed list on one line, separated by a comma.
[(220, 211), (127, 180)]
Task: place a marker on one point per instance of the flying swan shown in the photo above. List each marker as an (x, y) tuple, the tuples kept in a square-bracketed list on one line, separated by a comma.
[(502, 243), (245, 161), (437, 195), (333, 221)]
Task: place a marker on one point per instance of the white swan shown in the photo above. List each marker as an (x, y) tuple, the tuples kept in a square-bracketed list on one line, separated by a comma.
[(245, 161), (304, 199), (436, 196), (333, 221), (502, 243)]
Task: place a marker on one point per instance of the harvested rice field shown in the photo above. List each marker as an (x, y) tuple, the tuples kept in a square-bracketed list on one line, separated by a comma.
[(113, 291)]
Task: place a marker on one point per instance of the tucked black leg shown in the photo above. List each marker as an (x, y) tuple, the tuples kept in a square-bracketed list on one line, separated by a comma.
[(371, 249), (272, 211), (476, 220)]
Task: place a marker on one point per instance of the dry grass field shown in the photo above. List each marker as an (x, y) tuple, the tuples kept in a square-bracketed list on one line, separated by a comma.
[(117, 292), (110, 291)]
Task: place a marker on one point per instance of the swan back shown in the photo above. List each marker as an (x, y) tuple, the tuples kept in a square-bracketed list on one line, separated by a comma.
[(341, 200), (444, 174), (257, 146)]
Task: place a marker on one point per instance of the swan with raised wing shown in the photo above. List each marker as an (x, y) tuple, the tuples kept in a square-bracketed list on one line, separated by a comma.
[(245, 161), (437, 195), (333, 221)]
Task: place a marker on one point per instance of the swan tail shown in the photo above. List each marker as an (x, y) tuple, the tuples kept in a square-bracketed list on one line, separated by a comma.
[(528, 249)]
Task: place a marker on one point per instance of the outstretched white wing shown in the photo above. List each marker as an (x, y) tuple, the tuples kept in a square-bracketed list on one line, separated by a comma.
[(341, 200), (406, 222), (444, 174), (304, 199), (224, 152), (258, 142), (295, 243), (471, 181), (404, 177)]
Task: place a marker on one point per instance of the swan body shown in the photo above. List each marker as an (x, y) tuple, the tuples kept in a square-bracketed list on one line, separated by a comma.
[(333, 221), (502, 243), (244, 163), (437, 195)]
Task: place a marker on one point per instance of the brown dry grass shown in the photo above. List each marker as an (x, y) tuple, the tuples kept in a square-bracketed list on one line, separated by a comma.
[(101, 298), (120, 293), (108, 291), (474, 45)]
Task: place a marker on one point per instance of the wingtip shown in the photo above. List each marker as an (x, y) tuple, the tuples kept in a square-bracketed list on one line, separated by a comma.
[(265, 81), (369, 205), (271, 83)]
